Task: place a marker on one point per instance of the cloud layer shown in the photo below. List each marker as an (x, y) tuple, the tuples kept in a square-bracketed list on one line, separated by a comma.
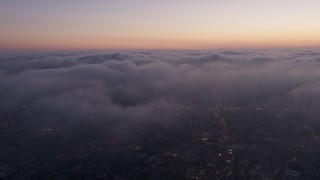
[(47, 88)]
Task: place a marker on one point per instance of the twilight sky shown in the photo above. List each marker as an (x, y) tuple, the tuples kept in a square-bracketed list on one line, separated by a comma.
[(153, 24)]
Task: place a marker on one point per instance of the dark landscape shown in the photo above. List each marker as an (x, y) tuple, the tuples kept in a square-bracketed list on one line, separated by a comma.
[(215, 114)]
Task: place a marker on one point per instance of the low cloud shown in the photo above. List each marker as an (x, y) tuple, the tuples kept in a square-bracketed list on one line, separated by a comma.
[(153, 86)]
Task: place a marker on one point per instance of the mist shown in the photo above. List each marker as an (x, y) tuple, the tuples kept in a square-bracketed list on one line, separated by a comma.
[(126, 99)]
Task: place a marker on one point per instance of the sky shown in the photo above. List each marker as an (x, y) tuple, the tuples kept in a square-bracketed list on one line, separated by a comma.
[(151, 24)]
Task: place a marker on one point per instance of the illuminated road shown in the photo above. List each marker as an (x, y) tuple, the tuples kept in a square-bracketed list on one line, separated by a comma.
[(225, 138)]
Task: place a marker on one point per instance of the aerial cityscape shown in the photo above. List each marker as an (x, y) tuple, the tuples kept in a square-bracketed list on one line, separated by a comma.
[(160, 90), (160, 115)]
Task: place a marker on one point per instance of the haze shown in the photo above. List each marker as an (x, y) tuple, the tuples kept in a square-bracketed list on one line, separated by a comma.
[(166, 24), (160, 90)]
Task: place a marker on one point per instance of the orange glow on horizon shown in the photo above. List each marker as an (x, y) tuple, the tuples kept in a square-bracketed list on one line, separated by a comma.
[(58, 25), (161, 43)]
